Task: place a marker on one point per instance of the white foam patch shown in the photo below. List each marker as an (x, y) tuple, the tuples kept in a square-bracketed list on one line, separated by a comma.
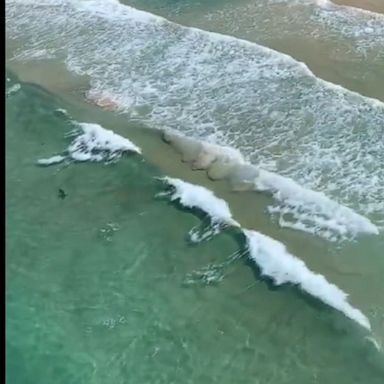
[(35, 54), (218, 88), (13, 89), (62, 111), (311, 211), (366, 28), (195, 196), (96, 143), (359, 29), (51, 160), (92, 142), (278, 264), (113, 10), (375, 343), (197, 235), (323, 3)]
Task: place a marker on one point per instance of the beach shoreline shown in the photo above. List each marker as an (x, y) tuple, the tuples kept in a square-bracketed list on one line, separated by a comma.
[(248, 208)]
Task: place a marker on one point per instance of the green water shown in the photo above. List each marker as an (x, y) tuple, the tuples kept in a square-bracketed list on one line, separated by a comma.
[(104, 287), (102, 284)]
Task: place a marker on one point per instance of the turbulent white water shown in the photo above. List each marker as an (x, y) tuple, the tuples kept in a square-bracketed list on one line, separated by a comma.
[(12, 90), (310, 211), (194, 196), (270, 255), (51, 160), (217, 88), (359, 29), (277, 263), (296, 207), (355, 29), (92, 142)]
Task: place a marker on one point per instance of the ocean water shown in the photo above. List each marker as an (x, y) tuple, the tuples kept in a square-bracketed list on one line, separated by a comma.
[(340, 44), (115, 274)]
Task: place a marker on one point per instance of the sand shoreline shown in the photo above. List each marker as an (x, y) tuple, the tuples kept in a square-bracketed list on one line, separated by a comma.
[(160, 153)]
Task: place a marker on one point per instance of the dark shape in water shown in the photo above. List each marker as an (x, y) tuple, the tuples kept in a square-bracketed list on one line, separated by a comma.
[(62, 194)]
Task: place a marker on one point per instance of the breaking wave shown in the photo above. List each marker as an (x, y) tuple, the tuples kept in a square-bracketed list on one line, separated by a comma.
[(92, 142), (270, 255), (223, 91)]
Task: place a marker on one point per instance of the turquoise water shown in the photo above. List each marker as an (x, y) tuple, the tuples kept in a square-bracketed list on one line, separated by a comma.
[(103, 285), (103, 282)]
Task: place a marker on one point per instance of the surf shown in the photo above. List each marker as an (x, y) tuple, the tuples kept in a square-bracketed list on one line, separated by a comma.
[(223, 91), (272, 257), (296, 207), (92, 142)]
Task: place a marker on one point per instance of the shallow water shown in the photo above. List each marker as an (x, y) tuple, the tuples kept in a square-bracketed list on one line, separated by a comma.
[(98, 290), (103, 283), (218, 89), (339, 44)]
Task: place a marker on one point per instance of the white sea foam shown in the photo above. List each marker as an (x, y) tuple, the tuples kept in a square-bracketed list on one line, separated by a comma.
[(311, 211), (277, 263), (13, 89), (323, 3), (92, 142), (96, 143), (51, 160), (35, 54), (62, 112), (202, 154), (270, 255), (375, 343), (319, 19), (218, 88), (195, 196), (297, 207)]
